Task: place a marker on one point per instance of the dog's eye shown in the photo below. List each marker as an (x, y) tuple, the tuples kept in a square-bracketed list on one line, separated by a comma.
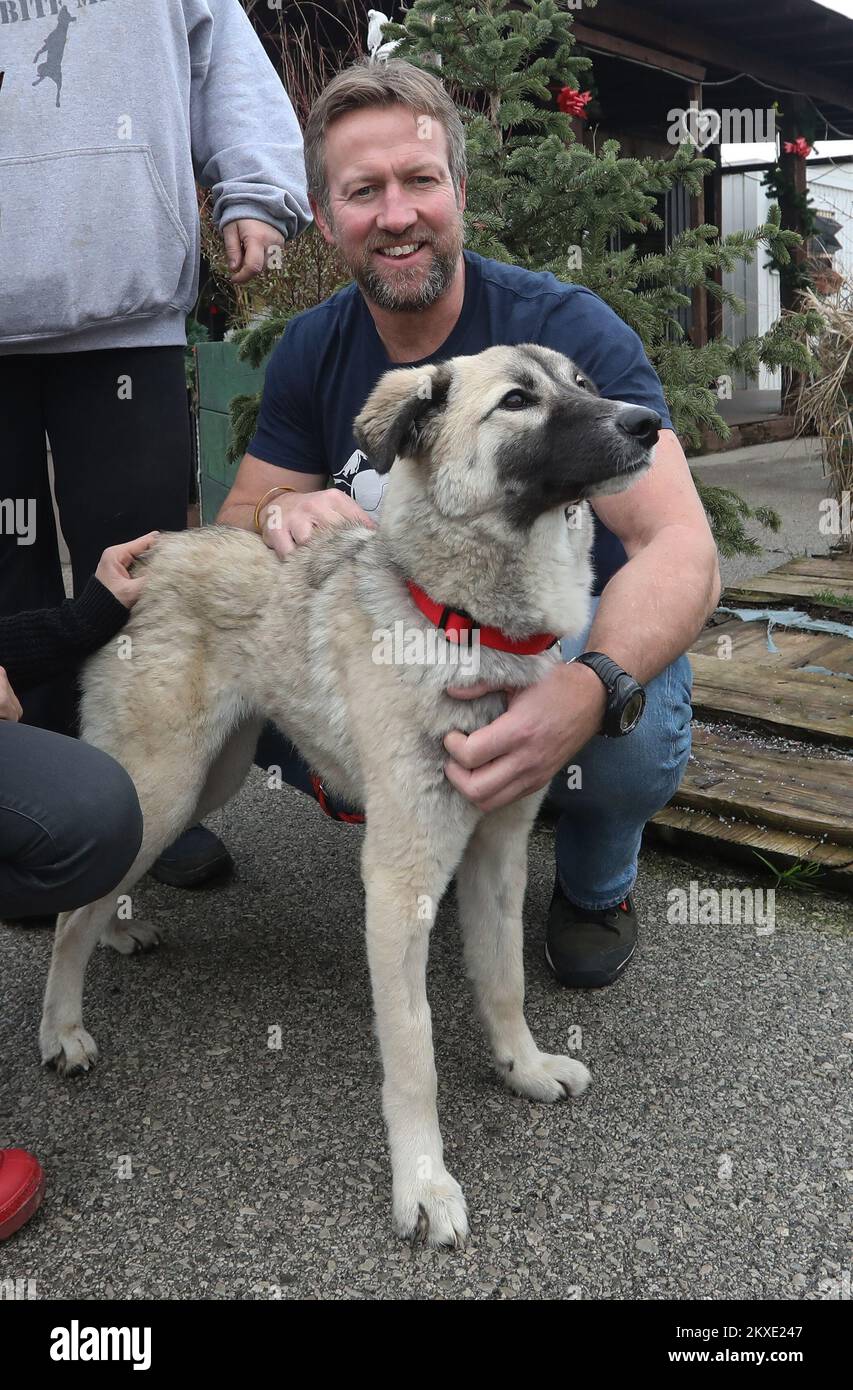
[(515, 400), (582, 382)]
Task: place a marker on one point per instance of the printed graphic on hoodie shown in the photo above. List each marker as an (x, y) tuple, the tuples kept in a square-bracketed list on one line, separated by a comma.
[(54, 47)]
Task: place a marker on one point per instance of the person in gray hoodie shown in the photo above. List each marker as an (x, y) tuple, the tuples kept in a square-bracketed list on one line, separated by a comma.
[(110, 112)]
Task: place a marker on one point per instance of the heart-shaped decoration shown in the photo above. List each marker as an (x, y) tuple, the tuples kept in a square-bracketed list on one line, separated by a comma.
[(702, 127)]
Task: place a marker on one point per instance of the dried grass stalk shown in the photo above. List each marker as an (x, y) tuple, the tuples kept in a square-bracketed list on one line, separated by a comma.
[(825, 399)]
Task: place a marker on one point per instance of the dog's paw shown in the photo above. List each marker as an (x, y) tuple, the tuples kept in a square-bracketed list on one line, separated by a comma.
[(431, 1211), (129, 937), (548, 1077), (70, 1050)]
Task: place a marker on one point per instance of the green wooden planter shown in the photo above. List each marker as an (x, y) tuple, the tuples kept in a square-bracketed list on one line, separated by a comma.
[(220, 377)]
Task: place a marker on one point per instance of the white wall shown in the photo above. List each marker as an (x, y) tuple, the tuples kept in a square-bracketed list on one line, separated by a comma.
[(745, 204)]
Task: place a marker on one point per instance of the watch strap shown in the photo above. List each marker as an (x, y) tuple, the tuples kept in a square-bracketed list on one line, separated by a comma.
[(610, 673)]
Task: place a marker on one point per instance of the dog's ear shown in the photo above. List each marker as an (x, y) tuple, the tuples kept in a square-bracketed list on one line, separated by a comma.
[(395, 417)]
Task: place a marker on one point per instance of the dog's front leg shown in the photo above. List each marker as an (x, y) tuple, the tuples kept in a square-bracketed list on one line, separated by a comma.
[(490, 887), (403, 889)]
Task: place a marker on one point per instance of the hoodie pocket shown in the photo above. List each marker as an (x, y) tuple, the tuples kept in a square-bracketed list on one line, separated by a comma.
[(87, 237)]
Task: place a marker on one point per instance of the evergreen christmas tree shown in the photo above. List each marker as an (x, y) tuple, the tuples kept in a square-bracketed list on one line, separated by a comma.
[(539, 198)]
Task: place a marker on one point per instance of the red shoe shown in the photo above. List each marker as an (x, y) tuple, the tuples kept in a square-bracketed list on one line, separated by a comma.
[(21, 1189)]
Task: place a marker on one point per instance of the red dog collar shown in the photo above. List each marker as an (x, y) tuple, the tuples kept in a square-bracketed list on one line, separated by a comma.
[(454, 622)]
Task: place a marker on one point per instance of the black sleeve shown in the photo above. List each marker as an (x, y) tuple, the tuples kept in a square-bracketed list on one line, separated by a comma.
[(37, 645)]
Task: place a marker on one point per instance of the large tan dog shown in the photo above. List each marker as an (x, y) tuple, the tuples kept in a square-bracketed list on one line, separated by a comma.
[(488, 453)]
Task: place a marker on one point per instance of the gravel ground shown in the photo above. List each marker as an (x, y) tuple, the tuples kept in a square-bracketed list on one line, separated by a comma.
[(710, 1158)]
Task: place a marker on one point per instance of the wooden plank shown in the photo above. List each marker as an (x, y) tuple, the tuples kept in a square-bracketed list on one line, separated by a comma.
[(819, 567), (796, 648), (790, 589), (835, 653), (680, 825), (639, 53), (769, 787), (794, 702), (214, 438), (212, 494), (221, 376), (214, 432)]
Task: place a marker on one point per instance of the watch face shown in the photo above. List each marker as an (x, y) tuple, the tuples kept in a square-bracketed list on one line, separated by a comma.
[(632, 711)]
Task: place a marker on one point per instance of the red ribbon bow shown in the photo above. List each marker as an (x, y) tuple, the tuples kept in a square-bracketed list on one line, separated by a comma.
[(800, 147), (572, 102)]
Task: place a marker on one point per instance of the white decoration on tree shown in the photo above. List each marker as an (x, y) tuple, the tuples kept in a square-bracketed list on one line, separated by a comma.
[(378, 50)]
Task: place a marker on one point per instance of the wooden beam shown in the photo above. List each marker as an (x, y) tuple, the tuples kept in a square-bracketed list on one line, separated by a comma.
[(705, 45), (714, 213), (699, 297), (640, 53), (678, 825)]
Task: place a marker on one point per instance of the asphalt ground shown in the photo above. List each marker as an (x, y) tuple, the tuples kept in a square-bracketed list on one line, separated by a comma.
[(709, 1159)]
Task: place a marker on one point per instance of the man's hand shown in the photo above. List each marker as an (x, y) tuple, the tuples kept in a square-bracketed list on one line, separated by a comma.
[(291, 519), (247, 244), (10, 707), (113, 568), (545, 725)]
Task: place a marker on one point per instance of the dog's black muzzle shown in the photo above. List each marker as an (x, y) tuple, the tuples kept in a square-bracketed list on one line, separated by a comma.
[(587, 445)]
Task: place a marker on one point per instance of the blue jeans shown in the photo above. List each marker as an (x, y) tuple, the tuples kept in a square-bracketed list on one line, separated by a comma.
[(622, 783)]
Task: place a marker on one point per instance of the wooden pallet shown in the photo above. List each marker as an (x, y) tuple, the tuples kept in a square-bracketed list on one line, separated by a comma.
[(743, 801), (740, 797)]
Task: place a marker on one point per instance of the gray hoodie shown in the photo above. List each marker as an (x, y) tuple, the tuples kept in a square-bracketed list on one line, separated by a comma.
[(109, 111)]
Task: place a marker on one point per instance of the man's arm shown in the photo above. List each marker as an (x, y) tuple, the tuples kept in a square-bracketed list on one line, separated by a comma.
[(254, 478), (656, 604), (291, 518)]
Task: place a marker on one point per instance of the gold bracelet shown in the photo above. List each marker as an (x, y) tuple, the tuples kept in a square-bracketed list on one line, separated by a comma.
[(273, 492)]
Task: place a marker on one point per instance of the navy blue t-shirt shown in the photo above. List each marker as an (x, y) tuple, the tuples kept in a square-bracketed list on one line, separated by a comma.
[(331, 357)]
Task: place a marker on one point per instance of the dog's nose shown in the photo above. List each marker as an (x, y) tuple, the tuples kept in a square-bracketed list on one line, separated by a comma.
[(643, 424)]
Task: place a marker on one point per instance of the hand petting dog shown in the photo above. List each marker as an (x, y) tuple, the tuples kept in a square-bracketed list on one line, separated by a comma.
[(113, 568)]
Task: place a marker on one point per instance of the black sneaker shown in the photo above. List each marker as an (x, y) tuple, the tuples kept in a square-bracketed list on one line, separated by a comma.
[(586, 949), (44, 919), (196, 857)]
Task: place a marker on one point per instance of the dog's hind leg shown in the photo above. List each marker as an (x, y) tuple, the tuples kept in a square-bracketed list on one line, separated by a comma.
[(406, 868), (490, 886), (168, 796)]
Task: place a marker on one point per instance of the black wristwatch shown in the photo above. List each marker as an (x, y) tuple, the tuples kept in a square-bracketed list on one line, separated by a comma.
[(626, 698)]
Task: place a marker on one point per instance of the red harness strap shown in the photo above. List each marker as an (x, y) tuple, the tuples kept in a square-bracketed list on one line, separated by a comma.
[(351, 817), (454, 622)]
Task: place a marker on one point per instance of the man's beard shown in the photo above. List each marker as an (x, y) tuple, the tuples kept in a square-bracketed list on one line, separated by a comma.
[(411, 287)]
